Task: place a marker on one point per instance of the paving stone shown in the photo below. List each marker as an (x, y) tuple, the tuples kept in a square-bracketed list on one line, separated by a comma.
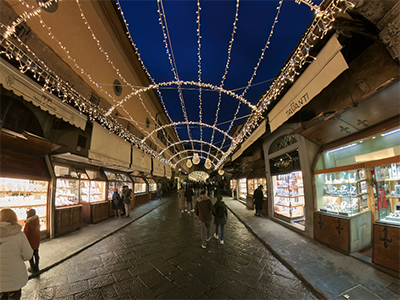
[(187, 265), (152, 279), (121, 275), (184, 281), (109, 291), (201, 273), (196, 289), (72, 288), (162, 288), (139, 269), (175, 293), (163, 266), (128, 286), (101, 281), (233, 290), (90, 295)]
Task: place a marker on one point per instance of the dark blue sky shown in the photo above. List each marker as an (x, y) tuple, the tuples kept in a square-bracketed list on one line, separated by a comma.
[(255, 20)]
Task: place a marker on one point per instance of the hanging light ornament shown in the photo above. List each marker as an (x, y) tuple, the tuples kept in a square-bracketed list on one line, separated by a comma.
[(196, 159), (221, 172), (189, 163), (208, 163)]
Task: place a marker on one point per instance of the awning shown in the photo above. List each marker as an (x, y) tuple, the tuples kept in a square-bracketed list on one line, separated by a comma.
[(17, 165), (32, 92), (108, 147), (245, 174), (256, 134), (259, 173), (158, 168), (140, 161), (328, 65), (168, 172)]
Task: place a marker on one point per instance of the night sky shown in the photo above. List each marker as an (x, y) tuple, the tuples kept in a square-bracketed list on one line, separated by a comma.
[(255, 21)]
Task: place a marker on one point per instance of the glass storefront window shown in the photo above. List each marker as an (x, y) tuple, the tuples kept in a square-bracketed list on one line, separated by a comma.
[(242, 188), (67, 192), (233, 183), (139, 185), (21, 194), (289, 196), (252, 185), (387, 192), (344, 192), (92, 191), (152, 185)]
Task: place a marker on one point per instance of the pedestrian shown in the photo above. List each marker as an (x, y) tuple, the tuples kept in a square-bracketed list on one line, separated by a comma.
[(32, 232), (159, 190), (258, 197), (182, 200), (126, 199), (189, 199), (204, 210), (14, 250), (117, 202), (220, 218)]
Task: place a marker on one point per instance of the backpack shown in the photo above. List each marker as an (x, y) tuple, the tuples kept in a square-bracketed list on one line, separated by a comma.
[(220, 211), (132, 196)]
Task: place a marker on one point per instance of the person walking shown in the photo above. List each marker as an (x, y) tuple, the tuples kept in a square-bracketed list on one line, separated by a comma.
[(258, 197), (189, 199), (126, 199), (204, 210), (14, 250), (32, 232), (159, 190), (182, 201), (220, 218), (117, 202)]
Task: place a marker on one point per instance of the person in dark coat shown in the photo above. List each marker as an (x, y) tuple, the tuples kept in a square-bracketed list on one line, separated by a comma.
[(32, 232), (189, 198), (204, 210), (258, 197), (220, 218), (117, 202)]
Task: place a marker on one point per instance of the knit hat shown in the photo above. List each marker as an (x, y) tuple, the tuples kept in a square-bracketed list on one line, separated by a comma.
[(31, 213), (219, 198)]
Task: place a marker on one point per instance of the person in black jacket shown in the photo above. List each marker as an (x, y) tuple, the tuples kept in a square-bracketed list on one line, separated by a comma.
[(258, 197), (189, 198)]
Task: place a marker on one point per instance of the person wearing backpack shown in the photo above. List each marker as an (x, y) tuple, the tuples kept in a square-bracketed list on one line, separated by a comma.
[(220, 218), (126, 198)]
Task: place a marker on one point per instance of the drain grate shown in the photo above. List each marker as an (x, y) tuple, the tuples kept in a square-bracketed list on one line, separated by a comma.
[(359, 293)]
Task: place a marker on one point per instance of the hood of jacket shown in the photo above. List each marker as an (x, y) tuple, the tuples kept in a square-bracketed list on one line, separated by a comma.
[(33, 218), (6, 229), (203, 198)]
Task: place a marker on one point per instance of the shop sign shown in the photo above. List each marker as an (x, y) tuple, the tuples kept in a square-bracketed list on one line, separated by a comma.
[(327, 66)]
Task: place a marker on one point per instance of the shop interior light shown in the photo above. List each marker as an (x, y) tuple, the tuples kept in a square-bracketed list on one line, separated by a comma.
[(342, 148), (390, 132)]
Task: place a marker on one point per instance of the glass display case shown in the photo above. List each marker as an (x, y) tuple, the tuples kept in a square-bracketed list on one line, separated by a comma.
[(242, 188), (387, 192), (116, 180), (139, 185), (344, 192), (289, 195), (152, 185), (21, 195), (67, 192), (252, 185)]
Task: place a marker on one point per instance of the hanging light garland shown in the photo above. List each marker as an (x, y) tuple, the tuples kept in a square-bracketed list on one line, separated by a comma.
[(207, 164), (198, 176), (196, 159)]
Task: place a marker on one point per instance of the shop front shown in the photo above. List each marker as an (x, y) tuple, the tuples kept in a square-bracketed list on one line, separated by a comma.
[(24, 184), (141, 164), (255, 179), (152, 187), (140, 190), (158, 172), (116, 180), (358, 198), (290, 194), (242, 186)]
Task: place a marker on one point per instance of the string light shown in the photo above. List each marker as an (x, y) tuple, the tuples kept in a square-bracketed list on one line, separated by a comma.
[(196, 159), (194, 141), (198, 176)]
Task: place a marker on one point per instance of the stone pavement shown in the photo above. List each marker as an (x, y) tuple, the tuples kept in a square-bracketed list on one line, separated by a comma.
[(159, 256), (328, 273), (91, 263)]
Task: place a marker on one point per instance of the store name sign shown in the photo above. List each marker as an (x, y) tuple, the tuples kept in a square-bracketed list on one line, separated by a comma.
[(296, 104), (327, 66)]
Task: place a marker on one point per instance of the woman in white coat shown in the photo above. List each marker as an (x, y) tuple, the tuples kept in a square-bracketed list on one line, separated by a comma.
[(14, 250)]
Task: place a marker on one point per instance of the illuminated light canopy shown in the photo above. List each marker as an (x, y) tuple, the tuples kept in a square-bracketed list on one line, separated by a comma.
[(221, 172), (189, 163), (198, 176), (207, 164)]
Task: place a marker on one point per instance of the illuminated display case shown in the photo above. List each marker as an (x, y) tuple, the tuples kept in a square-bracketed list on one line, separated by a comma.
[(289, 195), (242, 188), (344, 192), (233, 183), (139, 185), (21, 194), (116, 180), (67, 185), (252, 185), (152, 185)]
